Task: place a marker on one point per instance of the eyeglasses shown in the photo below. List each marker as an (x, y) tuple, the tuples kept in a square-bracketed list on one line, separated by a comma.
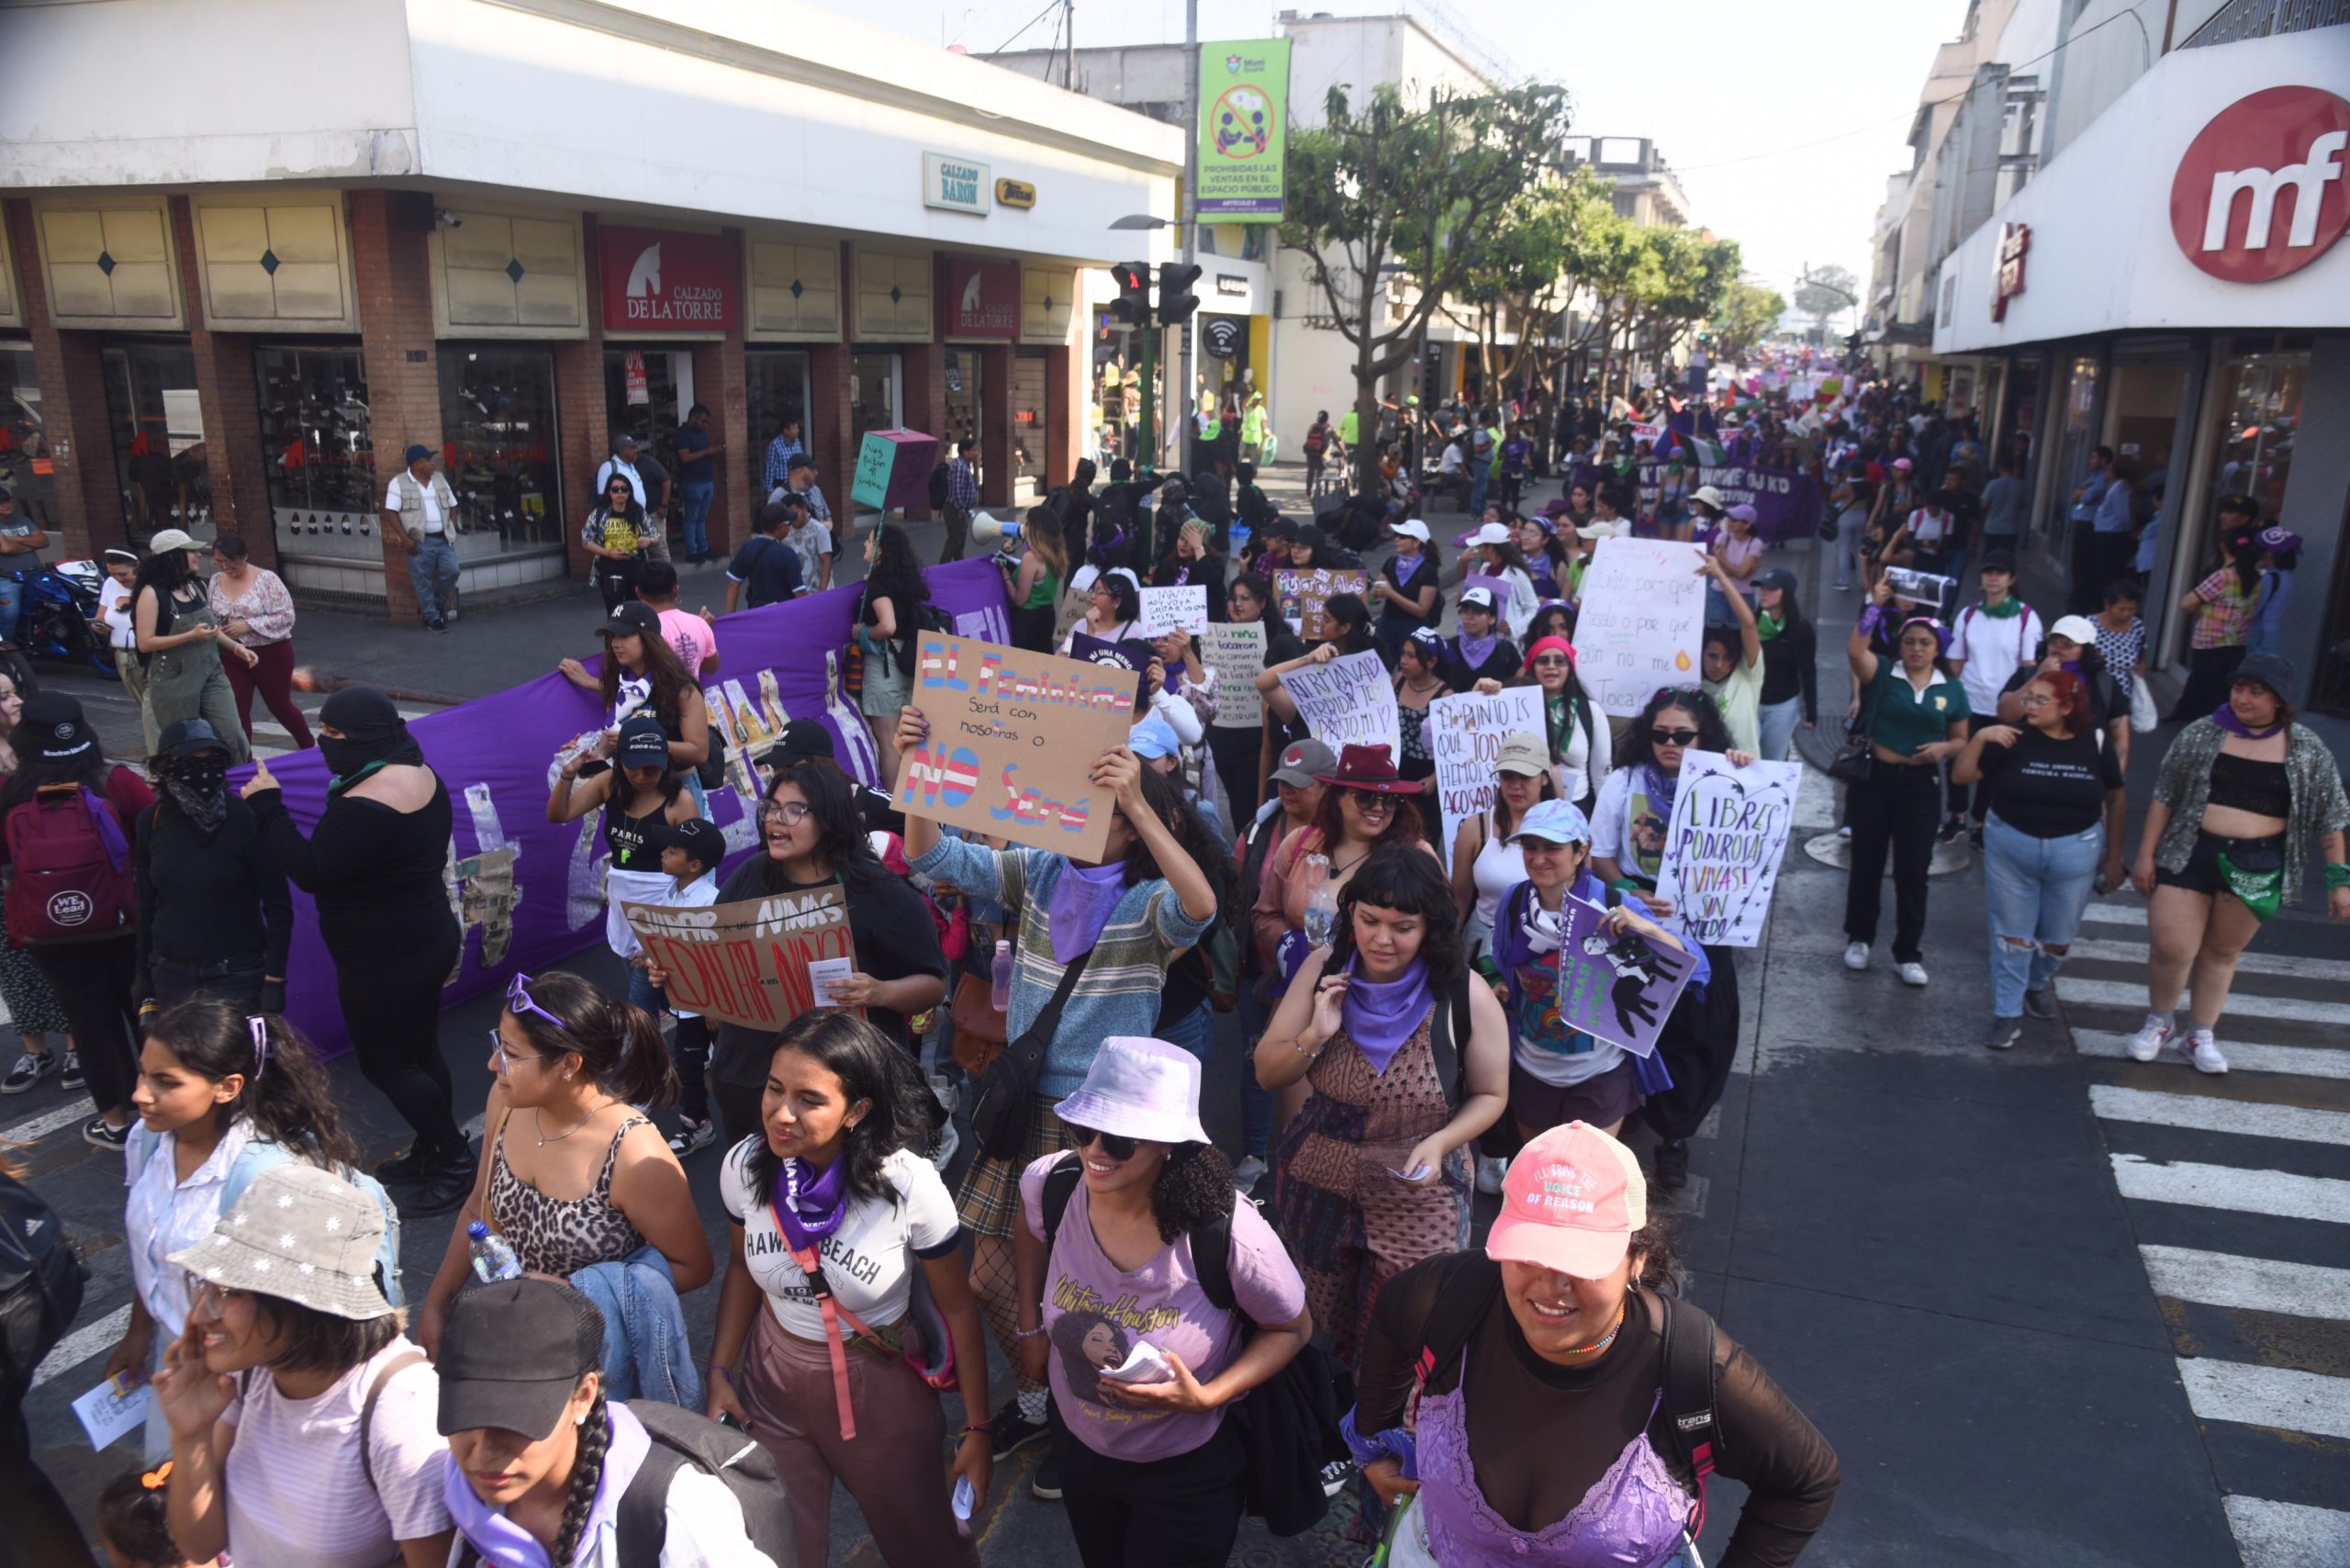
[(507, 1058), (2038, 700), (1113, 1147), (1671, 737), (791, 814), (206, 1299)]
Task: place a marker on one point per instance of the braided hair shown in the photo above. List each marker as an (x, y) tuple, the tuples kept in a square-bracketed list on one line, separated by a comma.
[(586, 1474)]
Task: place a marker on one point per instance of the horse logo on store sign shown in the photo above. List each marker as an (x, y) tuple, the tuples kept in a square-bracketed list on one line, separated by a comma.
[(645, 279), (2276, 157)]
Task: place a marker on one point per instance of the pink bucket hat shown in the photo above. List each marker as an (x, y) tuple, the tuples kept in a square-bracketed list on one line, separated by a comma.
[(1572, 1200)]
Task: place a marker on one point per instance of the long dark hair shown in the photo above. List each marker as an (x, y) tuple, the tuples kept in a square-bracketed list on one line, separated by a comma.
[(165, 571), (1712, 733), (631, 509), (1352, 617), (586, 1477), (1069, 1330), (901, 1111), (663, 667), (2244, 551), (1404, 823), (91, 771), (840, 830), (618, 1045), (287, 1097), (1165, 799), (1406, 879), (896, 576), (1191, 1191)]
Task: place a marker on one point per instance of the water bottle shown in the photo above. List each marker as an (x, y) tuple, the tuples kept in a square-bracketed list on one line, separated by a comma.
[(1000, 980), (1321, 902), (493, 1259)]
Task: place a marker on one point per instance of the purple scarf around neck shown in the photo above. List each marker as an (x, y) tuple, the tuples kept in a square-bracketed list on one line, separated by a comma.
[(809, 1210), (1660, 787), (1083, 900), (1381, 1015), (2225, 717), (1475, 651)]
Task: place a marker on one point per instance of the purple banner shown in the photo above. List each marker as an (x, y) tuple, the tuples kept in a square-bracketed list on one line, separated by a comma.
[(529, 892), (1786, 503)]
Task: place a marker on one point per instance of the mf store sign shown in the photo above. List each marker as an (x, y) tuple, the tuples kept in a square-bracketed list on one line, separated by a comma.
[(956, 185), (658, 280), (2260, 192)]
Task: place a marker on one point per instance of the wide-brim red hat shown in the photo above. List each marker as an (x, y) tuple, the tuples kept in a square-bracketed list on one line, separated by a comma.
[(1371, 768)]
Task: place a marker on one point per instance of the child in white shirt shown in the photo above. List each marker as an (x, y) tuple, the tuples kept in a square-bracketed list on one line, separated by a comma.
[(690, 851)]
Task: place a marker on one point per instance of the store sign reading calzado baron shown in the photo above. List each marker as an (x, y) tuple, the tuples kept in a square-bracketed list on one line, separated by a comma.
[(661, 280), (2261, 191), (956, 185)]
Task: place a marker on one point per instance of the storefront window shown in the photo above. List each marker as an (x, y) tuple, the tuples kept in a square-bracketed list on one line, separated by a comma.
[(640, 395), (24, 465), (873, 395), (159, 456), (776, 385), (1028, 396), (966, 380), (497, 421), (2260, 411), (318, 454), (2076, 437)]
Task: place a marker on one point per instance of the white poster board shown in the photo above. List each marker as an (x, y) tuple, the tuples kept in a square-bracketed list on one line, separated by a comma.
[(1165, 610), (1642, 623), (1349, 701), (1236, 651), (1722, 849), (1464, 735)]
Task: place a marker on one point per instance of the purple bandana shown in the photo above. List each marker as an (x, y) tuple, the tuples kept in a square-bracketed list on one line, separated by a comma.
[(1660, 787), (1475, 651), (1083, 900), (2225, 717), (1381, 1015), (810, 1208)]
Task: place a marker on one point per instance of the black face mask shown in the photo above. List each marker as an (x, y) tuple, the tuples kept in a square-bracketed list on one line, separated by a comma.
[(199, 786), (345, 755)]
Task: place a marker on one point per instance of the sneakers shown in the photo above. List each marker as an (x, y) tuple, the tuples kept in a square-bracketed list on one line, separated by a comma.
[(2152, 1036), (72, 1077), (1044, 1481), (2041, 1003), (1247, 1173), (1672, 1164), (1491, 1168), (1911, 973), (1974, 836), (1014, 1432), (2005, 1033), (2202, 1052), (97, 1135), (1856, 956), (1334, 1476), (30, 1070), (1951, 829), (692, 1134)]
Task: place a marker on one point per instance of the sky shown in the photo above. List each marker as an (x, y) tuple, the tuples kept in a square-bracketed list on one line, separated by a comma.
[(1782, 121)]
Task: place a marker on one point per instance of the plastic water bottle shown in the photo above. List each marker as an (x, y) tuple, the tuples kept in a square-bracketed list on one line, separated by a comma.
[(1000, 980), (493, 1259)]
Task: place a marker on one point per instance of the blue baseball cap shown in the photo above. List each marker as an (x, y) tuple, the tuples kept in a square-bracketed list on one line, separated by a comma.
[(1154, 737), (1560, 821)]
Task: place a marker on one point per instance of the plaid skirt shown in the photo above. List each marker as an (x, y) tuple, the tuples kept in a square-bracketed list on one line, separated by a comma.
[(989, 1201)]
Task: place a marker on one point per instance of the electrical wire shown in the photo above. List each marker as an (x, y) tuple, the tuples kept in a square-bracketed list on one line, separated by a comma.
[(1050, 6)]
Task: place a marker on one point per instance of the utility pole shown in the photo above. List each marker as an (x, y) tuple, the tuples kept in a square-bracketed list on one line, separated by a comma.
[(1068, 30), (1179, 382)]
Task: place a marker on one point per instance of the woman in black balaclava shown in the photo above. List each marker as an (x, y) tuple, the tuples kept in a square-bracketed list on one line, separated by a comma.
[(373, 866), (214, 917)]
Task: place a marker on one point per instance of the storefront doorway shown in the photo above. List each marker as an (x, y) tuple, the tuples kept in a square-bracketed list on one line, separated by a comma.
[(647, 390), (2076, 438), (966, 383), (1029, 393), (776, 383), (158, 426), (25, 463), (875, 388)]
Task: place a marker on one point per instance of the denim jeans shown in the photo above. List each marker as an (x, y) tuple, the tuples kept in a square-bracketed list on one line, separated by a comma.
[(1256, 1099), (647, 1352), (2036, 889), (432, 570), (1195, 1032), (1776, 722), (643, 994), (1478, 482), (697, 504), (11, 605), (1851, 524)]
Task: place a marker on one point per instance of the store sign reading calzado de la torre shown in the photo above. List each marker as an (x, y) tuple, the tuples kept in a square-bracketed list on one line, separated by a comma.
[(660, 280)]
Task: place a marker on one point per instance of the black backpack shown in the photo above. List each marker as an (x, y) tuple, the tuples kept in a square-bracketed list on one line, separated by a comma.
[(682, 1437), (40, 1285), (938, 487)]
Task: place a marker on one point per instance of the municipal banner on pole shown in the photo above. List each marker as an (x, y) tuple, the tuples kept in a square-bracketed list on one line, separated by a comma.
[(758, 962), (1642, 623), (1349, 701), (1236, 651), (1243, 129), (1464, 734), (1722, 849)]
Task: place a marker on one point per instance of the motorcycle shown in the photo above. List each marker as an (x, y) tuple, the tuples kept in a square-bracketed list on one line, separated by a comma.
[(55, 617)]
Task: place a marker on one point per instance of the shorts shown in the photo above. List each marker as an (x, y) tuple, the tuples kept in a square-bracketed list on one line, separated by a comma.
[(989, 1201), (2201, 872), (1601, 1102)]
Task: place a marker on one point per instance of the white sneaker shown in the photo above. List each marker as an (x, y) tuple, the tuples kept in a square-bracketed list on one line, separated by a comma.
[(1856, 954), (1247, 1173), (1911, 973), (2203, 1052), (2147, 1042), (1491, 1168)]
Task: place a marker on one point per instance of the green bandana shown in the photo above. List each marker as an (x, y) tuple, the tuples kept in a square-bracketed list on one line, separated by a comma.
[(2006, 609), (1767, 625)]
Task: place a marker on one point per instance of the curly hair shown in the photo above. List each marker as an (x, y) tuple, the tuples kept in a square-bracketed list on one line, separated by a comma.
[(1407, 880), (1712, 733), (286, 1096), (1192, 1191), (1164, 798), (901, 1111), (618, 1045), (586, 1476), (134, 1522)]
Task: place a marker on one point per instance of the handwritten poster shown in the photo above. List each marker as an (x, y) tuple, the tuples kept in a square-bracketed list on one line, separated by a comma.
[(1302, 595), (1014, 737), (1643, 620), (1183, 609), (1349, 701), (1464, 735), (749, 962), (1616, 985), (1722, 849), (1236, 651)]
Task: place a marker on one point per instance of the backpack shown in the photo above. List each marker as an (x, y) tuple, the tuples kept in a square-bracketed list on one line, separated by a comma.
[(40, 1285), (73, 876), (682, 1437), (1288, 1423), (938, 487)]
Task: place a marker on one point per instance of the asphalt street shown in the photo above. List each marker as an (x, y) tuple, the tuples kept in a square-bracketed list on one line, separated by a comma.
[(2051, 1307)]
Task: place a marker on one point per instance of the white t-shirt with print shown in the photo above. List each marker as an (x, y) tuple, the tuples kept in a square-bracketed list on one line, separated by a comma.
[(113, 610), (868, 1262), (1994, 649), (297, 1495)]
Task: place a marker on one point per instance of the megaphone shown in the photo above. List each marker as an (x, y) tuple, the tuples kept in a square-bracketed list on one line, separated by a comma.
[(986, 529)]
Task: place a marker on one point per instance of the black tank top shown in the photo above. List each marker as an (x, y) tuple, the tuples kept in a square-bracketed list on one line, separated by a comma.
[(630, 838)]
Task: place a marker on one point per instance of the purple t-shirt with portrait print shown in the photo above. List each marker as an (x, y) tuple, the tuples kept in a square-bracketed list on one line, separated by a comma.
[(1095, 1313)]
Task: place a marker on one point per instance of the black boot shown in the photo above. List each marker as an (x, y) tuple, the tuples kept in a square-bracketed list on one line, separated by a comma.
[(1672, 1164)]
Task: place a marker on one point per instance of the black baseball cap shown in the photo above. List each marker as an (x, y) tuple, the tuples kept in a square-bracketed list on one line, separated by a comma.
[(513, 1352), (1998, 561), (633, 618), (802, 739), (642, 744), (698, 836)]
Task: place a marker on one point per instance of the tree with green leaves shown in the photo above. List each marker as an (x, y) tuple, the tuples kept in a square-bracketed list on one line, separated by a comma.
[(1687, 277), (1526, 268), (1824, 292), (1747, 315), (1406, 188)]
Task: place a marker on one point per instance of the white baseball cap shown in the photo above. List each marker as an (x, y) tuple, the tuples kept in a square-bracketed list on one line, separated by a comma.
[(1412, 528)]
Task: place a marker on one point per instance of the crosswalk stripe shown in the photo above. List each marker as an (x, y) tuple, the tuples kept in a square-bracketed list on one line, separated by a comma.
[(2253, 1284), (2283, 1193), (88, 1340), (2288, 1535), (2282, 1398), (2284, 966), (2240, 1004), (2242, 1117), (2115, 915), (2308, 1062), (48, 1122)]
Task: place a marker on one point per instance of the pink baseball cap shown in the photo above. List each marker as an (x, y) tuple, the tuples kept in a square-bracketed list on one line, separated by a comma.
[(1571, 1203)]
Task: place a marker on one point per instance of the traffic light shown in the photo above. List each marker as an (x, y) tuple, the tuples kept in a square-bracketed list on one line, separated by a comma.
[(1176, 301), (1133, 304)]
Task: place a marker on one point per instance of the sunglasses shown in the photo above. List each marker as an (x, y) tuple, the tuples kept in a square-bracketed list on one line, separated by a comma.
[(1551, 661), (1671, 737), (517, 1002), (1113, 1147)]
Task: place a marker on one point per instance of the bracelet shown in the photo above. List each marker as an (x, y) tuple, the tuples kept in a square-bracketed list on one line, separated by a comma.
[(1029, 1333), (985, 1429), (717, 1369), (2337, 875)]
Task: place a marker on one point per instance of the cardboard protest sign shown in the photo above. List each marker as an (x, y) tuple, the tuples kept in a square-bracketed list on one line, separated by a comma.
[(1183, 609), (1618, 987), (1642, 623), (1464, 734), (1301, 596), (893, 469), (1237, 653), (747, 962), (1014, 737), (1722, 849), (1349, 701)]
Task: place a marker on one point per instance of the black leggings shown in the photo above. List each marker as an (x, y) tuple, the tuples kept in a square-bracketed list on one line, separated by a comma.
[(1179, 1512), (1237, 752), (391, 1010), (93, 981)]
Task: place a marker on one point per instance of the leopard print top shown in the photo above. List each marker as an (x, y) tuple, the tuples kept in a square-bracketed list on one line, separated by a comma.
[(562, 1236)]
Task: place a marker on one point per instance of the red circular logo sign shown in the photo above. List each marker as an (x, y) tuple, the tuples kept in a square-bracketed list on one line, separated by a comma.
[(2264, 188)]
